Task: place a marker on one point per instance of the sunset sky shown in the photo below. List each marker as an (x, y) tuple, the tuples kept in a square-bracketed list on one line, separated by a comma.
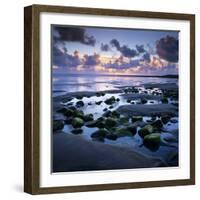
[(114, 51)]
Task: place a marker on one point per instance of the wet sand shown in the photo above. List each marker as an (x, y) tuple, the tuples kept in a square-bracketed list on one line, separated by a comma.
[(74, 153)]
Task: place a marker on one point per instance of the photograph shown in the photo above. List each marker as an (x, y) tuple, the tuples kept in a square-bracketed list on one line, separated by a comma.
[(114, 98)]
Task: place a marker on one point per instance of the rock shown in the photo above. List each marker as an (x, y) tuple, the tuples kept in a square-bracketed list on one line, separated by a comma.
[(153, 118), (66, 111), (79, 114), (68, 120), (90, 103), (58, 125), (77, 122), (174, 121), (152, 141), (157, 124), (101, 133), (132, 102), (99, 102), (143, 101), (88, 117), (107, 113), (164, 100), (111, 107), (72, 108), (140, 124), (136, 118), (123, 120), (128, 101), (111, 136), (79, 104), (117, 99), (132, 129), (91, 124), (110, 101), (69, 104), (115, 114), (77, 131), (175, 104), (165, 119), (98, 94), (100, 124), (146, 130), (79, 97), (105, 109), (121, 132), (110, 122)]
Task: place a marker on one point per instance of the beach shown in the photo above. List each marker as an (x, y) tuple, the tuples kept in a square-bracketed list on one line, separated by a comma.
[(104, 123)]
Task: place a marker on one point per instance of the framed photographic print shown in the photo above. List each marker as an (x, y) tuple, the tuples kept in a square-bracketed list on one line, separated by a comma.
[(109, 99)]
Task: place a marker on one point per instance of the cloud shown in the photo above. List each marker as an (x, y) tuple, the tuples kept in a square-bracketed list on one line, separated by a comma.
[(140, 48), (124, 50), (62, 59), (128, 52), (73, 34), (146, 57), (104, 47), (115, 43), (91, 60), (167, 48)]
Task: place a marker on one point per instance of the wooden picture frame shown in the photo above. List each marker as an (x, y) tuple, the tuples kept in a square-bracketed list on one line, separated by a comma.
[(32, 98)]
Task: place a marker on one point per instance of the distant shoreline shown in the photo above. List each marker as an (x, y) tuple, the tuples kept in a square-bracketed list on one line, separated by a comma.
[(125, 75)]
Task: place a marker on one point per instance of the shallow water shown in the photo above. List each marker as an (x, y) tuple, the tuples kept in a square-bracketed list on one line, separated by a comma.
[(63, 84)]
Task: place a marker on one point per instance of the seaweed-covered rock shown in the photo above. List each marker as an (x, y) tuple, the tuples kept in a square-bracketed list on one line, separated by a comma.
[(164, 100), (123, 120), (157, 124), (110, 122), (79, 114), (79, 104), (72, 108), (146, 130), (66, 111), (88, 117), (136, 118), (152, 141), (58, 125), (107, 113), (69, 120), (77, 131), (121, 132), (77, 122), (110, 101), (91, 124), (165, 119), (143, 101), (101, 133), (111, 136), (132, 129), (115, 114), (100, 124)]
